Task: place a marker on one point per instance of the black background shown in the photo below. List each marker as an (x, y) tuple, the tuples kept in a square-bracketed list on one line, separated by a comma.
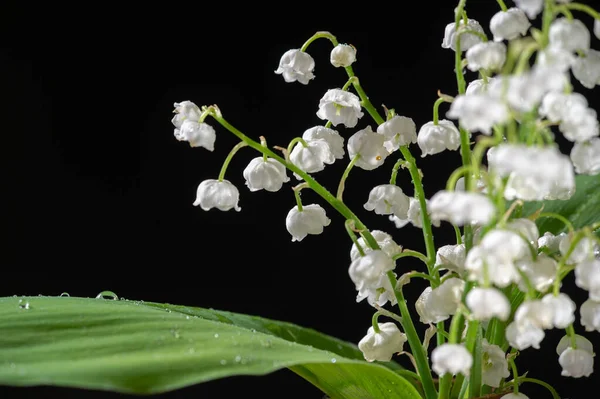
[(99, 193)]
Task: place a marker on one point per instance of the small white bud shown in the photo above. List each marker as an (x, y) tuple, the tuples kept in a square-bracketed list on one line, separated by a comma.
[(382, 345), (342, 55), (451, 358)]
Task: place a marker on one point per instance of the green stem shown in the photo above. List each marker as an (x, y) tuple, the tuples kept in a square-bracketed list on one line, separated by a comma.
[(298, 199), (342, 184), (564, 260), (583, 7), (453, 338), (374, 322), (547, 17), (414, 254), (349, 224), (319, 35), (349, 82), (571, 333), (415, 343), (502, 5), (473, 344), (556, 216), (515, 374), (458, 234), (436, 110), (229, 158), (263, 142), (395, 168), (311, 182), (293, 143), (457, 174), (555, 394), (424, 276)]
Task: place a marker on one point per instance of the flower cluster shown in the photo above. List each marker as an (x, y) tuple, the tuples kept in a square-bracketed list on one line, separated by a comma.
[(499, 284)]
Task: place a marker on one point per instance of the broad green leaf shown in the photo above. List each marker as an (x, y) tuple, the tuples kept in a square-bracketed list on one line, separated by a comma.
[(143, 348), (582, 209)]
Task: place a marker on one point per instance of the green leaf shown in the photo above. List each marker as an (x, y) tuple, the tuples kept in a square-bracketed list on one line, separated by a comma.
[(143, 348), (582, 209)]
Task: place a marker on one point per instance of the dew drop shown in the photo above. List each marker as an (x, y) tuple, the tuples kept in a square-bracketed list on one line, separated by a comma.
[(223, 362), (187, 317), (64, 294), (333, 360), (107, 295), (216, 335), (238, 359), (24, 305), (253, 330), (175, 334), (267, 343), (191, 350)]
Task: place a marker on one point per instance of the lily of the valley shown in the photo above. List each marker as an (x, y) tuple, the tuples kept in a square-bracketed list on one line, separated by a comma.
[(461, 208), (388, 199), (398, 131), (296, 65), (342, 55), (340, 107), (265, 174), (384, 344), (433, 139), (509, 24), (467, 40), (313, 157), (310, 220), (370, 146), (451, 358), (220, 194)]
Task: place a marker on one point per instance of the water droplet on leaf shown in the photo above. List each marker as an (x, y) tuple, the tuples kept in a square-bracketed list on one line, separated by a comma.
[(64, 294), (223, 362), (216, 335), (107, 295), (333, 360), (238, 359)]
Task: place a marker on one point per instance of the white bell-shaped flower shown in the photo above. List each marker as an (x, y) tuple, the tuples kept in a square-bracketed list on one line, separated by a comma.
[(550, 241), (587, 69), (570, 35), (478, 112), (427, 309), (342, 55), (332, 137), (580, 341), (261, 174), (310, 220), (438, 304), (498, 251), (583, 251), (368, 273), (597, 28), (313, 157), (555, 57), (537, 312), (563, 309), (384, 240), (590, 315), (433, 139), (197, 134), (477, 86), (526, 228), (486, 55), (461, 208), (524, 335), (296, 65), (495, 365), (576, 363), (509, 24), (213, 193), (185, 110), (340, 107), (413, 216), (370, 146), (540, 272), (398, 131), (587, 277), (580, 123), (486, 303), (451, 257), (387, 199), (586, 157), (556, 106), (531, 7), (382, 345), (451, 358), (467, 40)]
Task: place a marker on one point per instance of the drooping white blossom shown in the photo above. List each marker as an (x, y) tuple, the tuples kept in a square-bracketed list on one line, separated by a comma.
[(495, 365), (185, 110), (486, 303), (531, 7), (398, 131), (590, 315), (383, 239), (486, 55), (413, 216), (368, 273), (313, 157), (261, 174), (310, 220), (477, 86), (496, 257), (384, 344), (580, 123), (340, 107), (197, 134), (526, 228), (583, 251), (551, 241), (576, 363), (213, 193), (332, 137), (461, 208), (524, 335), (438, 304), (433, 139), (342, 55), (570, 35), (296, 65), (451, 257), (451, 358), (580, 341), (587, 277), (388, 199), (563, 309), (370, 146), (557, 106), (478, 112), (586, 156), (555, 57), (537, 312), (586, 69), (540, 272), (467, 40), (509, 24)]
